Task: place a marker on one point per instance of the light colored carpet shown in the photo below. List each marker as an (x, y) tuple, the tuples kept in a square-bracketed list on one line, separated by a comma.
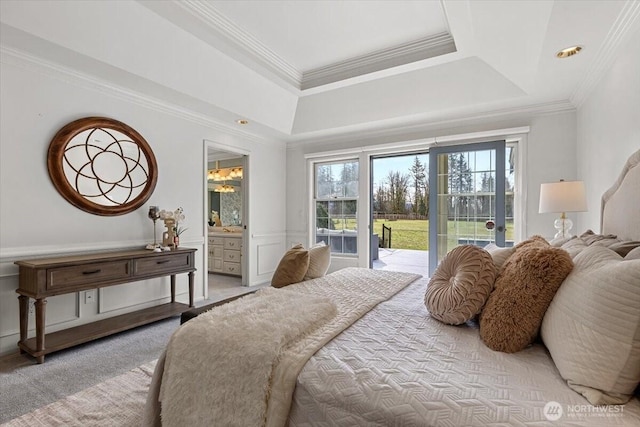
[(26, 386), (119, 401)]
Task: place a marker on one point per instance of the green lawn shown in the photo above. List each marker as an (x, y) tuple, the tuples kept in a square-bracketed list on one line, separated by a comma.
[(414, 234)]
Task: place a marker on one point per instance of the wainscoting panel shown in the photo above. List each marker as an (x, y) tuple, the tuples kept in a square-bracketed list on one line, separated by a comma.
[(268, 251)]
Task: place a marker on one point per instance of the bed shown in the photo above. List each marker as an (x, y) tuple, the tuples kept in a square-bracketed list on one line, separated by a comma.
[(358, 347)]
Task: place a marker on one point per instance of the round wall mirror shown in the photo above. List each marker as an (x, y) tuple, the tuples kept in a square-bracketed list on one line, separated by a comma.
[(102, 166)]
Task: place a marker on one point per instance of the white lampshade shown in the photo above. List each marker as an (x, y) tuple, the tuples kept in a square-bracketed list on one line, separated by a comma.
[(563, 196)]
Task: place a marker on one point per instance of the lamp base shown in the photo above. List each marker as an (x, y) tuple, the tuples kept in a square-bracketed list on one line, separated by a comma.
[(563, 225)]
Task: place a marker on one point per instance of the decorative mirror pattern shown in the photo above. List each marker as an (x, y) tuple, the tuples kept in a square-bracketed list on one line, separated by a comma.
[(102, 166)]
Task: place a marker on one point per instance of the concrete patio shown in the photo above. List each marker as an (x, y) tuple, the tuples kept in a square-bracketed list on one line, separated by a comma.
[(403, 260)]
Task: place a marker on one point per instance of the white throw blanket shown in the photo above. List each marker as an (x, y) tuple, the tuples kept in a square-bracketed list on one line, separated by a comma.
[(237, 364)]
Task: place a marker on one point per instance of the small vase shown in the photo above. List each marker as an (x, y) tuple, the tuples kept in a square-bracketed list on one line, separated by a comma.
[(176, 242)]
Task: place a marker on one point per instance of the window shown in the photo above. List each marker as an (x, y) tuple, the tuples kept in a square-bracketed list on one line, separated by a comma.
[(336, 205)]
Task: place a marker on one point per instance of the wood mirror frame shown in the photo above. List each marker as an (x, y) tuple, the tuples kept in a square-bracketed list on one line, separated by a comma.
[(112, 174)]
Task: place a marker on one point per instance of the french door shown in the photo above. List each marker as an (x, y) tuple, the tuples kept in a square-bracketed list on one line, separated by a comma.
[(467, 197)]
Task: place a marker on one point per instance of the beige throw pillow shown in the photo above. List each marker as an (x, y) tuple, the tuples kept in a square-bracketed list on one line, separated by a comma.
[(460, 285), (319, 261), (592, 327), (499, 255), (511, 318), (292, 267)]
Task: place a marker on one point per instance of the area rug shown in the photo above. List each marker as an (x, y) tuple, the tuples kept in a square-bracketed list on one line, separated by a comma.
[(118, 401)]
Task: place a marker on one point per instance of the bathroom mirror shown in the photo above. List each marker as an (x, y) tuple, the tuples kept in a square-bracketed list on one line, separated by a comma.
[(102, 166)]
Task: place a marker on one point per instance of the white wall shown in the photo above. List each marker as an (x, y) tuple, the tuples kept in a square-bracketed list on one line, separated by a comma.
[(609, 128), (549, 153), (36, 221)]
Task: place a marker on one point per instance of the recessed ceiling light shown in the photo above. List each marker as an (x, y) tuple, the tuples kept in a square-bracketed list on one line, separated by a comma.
[(570, 51), (242, 121)]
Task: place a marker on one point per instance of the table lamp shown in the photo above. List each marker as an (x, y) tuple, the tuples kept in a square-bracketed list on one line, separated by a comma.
[(562, 197)]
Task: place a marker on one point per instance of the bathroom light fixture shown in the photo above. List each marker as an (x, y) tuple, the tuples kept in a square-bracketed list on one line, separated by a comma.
[(224, 189), (570, 51)]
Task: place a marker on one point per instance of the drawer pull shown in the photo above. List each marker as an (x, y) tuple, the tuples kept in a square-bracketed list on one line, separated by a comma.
[(162, 262), (92, 271)]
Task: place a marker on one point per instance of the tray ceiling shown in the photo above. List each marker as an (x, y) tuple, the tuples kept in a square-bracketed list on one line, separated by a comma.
[(305, 70)]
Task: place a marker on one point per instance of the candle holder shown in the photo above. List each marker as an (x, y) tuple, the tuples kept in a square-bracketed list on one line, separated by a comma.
[(154, 214)]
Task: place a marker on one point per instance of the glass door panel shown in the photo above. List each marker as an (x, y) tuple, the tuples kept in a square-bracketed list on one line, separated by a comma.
[(468, 204)]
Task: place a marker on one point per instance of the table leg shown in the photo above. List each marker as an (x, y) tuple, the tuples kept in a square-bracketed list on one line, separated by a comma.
[(40, 321), (173, 288), (191, 289), (24, 318)]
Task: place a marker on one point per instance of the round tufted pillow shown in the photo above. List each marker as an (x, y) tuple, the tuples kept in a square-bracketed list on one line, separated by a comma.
[(460, 285)]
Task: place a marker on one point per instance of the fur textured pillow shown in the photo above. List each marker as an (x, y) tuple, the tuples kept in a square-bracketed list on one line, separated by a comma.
[(592, 327), (460, 285), (511, 318), (319, 261), (292, 267)]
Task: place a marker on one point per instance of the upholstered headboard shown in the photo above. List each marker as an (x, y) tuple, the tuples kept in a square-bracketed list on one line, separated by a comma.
[(621, 203)]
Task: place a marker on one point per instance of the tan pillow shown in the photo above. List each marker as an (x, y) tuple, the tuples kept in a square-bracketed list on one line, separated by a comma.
[(292, 267), (511, 318), (592, 327), (460, 285), (319, 261), (499, 255)]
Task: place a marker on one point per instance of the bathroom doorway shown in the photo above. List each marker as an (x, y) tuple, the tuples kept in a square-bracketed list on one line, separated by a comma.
[(225, 201)]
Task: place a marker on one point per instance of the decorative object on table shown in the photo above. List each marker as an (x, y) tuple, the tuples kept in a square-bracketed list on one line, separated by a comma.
[(154, 214), (171, 237), (562, 197), (102, 166)]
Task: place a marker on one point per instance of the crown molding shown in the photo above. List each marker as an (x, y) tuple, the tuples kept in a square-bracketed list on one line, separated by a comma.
[(417, 50), (402, 129), (608, 51), (25, 60), (242, 40)]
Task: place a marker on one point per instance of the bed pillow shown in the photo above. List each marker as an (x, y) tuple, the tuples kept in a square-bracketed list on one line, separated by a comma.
[(511, 319), (634, 254), (592, 327), (574, 247), (624, 247), (499, 255), (460, 285), (319, 261), (589, 237), (292, 267)]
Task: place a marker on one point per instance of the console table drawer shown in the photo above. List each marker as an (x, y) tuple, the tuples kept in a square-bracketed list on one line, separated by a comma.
[(161, 263), (80, 275)]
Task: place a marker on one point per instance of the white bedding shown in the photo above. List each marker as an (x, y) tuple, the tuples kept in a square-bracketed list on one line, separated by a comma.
[(398, 366)]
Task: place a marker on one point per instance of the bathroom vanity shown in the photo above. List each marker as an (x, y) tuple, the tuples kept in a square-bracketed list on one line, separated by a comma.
[(225, 251)]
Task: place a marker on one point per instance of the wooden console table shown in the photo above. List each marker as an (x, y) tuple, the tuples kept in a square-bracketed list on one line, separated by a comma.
[(42, 278)]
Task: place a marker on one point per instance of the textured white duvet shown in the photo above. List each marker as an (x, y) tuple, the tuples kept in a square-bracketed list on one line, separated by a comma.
[(397, 366)]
